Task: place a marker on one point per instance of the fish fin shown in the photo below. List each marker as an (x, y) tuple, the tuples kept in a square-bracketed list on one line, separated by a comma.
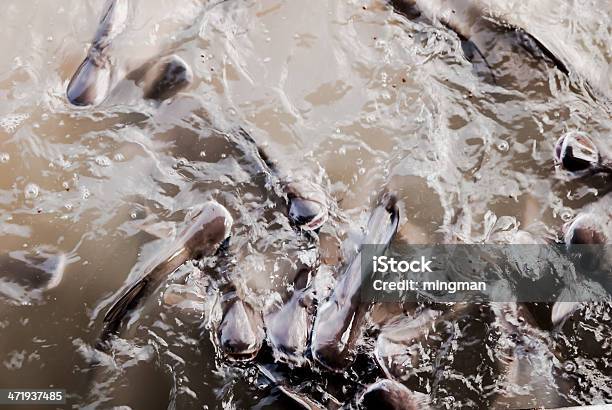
[(117, 312), (474, 54), (561, 311), (536, 48)]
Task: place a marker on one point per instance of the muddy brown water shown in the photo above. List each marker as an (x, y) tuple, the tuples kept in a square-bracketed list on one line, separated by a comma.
[(345, 90)]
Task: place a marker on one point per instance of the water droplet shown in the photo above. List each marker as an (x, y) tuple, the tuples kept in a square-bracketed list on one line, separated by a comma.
[(103, 161), (4, 157), (569, 366), (503, 146), (202, 154), (133, 215), (31, 191), (567, 215)]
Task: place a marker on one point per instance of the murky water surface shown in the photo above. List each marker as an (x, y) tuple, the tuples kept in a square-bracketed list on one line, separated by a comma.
[(347, 91)]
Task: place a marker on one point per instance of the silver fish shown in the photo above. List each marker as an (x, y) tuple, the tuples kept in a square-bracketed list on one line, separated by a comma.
[(340, 319), (93, 80), (203, 236), (470, 18)]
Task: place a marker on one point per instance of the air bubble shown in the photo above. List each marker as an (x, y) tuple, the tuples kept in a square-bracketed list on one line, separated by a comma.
[(31, 191), (503, 146), (4, 157), (103, 161)]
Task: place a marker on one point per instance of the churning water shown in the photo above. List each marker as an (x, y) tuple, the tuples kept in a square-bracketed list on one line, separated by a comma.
[(346, 92)]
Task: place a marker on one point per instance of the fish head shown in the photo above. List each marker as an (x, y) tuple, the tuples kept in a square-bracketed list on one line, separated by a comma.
[(91, 83), (308, 208), (166, 78), (585, 229), (240, 333), (577, 153), (208, 229)]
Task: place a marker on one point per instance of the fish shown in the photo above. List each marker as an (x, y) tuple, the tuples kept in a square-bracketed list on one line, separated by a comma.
[(578, 154), (93, 79), (289, 326), (391, 395), (166, 78), (26, 275), (204, 235), (589, 234), (240, 332), (307, 204), (341, 318), (160, 77), (471, 19)]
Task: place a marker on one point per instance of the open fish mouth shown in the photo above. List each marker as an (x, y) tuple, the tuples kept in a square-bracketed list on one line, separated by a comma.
[(241, 357), (307, 214), (585, 229), (577, 154), (240, 333)]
